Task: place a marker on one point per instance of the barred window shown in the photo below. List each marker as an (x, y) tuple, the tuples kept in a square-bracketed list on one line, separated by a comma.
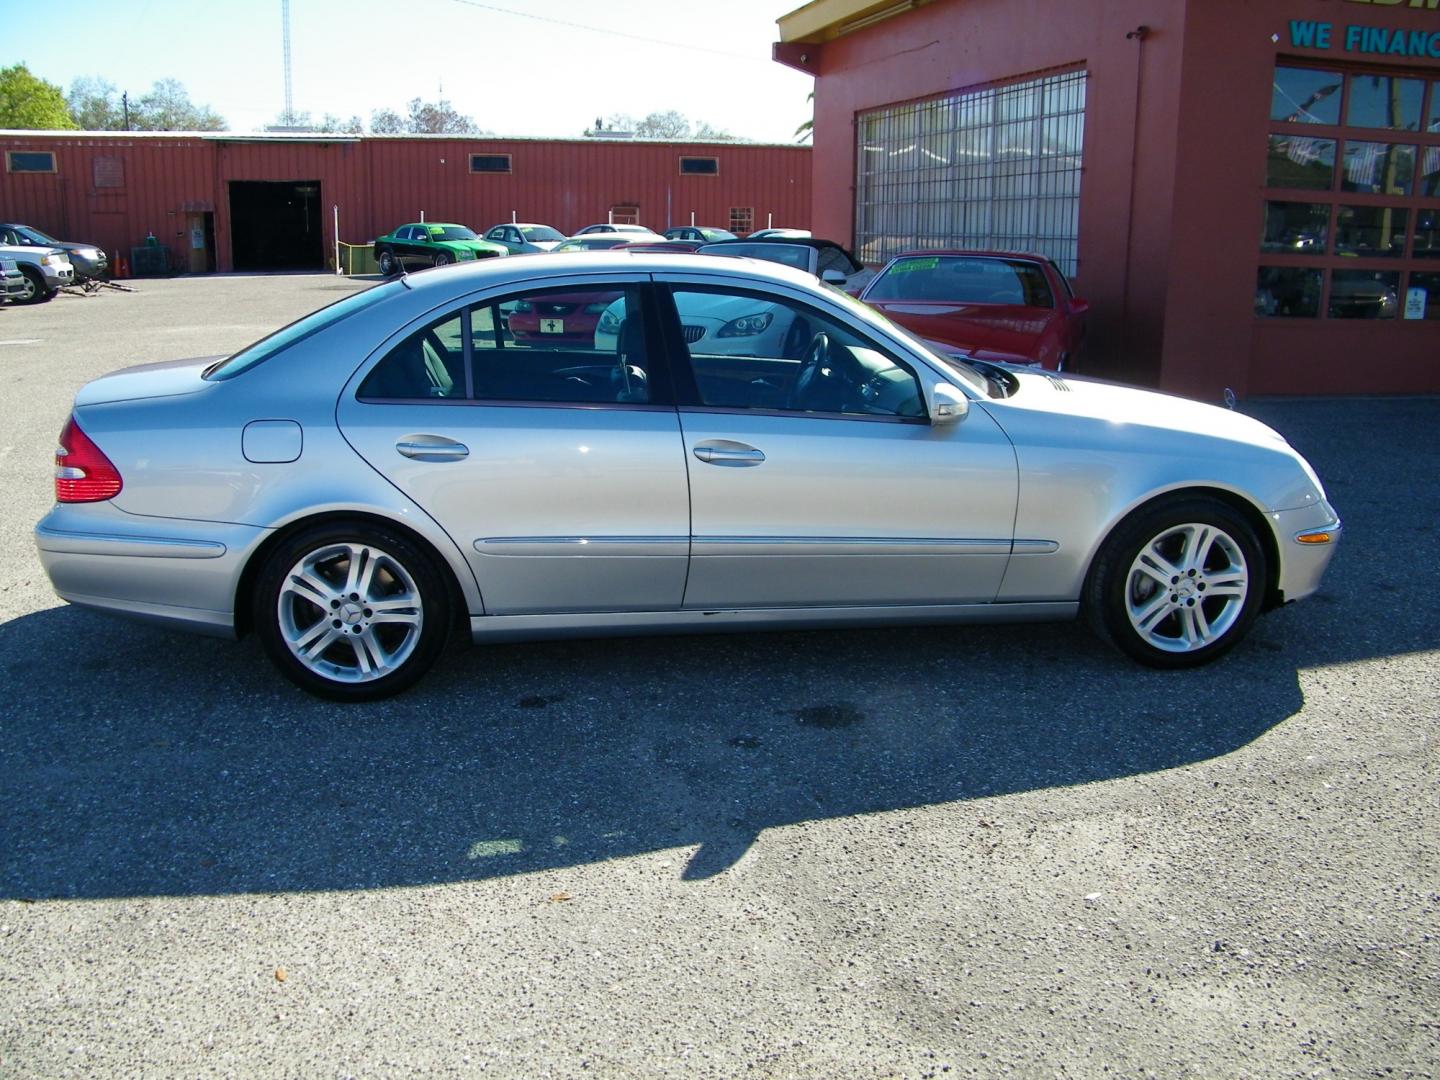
[(994, 168), (742, 220)]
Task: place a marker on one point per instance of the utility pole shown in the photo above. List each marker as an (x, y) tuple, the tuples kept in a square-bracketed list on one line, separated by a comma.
[(125, 105)]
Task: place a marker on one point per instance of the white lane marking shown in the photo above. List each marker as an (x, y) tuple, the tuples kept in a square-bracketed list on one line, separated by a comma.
[(22, 341)]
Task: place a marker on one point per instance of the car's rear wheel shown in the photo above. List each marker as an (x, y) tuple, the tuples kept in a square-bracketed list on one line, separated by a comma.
[(389, 264), (442, 258), (36, 290), (1177, 584), (351, 611)]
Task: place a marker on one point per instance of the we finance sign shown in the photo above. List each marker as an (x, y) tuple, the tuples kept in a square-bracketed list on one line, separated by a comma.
[(1371, 40)]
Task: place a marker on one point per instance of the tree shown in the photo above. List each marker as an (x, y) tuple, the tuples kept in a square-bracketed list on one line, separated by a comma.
[(32, 103), (805, 131), (95, 104), (663, 125), (386, 122), (706, 133), (439, 118), (168, 108), (330, 124)]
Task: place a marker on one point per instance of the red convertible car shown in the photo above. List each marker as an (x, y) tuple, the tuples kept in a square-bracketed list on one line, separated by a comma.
[(991, 305)]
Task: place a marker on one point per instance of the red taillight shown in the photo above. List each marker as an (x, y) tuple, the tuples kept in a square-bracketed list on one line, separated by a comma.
[(82, 472)]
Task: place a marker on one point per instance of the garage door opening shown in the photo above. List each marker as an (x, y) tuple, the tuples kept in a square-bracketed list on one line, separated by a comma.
[(276, 225)]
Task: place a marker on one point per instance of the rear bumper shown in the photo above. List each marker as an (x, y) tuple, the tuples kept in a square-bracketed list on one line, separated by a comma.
[(171, 571)]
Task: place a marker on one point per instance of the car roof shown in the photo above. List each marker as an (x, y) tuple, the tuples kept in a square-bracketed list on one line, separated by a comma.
[(482, 274), (787, 241), (975, 253)]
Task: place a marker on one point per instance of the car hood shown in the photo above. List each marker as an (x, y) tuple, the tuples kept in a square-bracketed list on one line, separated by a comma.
[(167, 379), (986, 331)]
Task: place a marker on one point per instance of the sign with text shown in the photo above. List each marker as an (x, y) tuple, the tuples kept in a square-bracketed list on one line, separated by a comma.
[(1365, 40)]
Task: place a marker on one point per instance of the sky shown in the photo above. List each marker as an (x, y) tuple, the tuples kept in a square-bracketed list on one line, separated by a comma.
[(519, 67)]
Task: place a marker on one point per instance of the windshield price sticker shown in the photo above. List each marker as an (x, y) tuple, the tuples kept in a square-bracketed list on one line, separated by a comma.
[(914, 264)]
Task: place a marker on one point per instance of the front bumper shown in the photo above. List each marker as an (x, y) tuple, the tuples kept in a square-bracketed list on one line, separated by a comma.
[(57, 277), (1303, 565), (12, 284)]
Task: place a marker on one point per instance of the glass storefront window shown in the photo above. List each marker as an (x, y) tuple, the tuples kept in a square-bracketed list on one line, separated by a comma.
[(1429, 286), (1373, 232), (1297, 161), (1287, 292), (1385, 101), (1299, 228), (1433, 123), (1427, 235), (1365, 294), (1430, 170), (1304, 96), (1378, 168)]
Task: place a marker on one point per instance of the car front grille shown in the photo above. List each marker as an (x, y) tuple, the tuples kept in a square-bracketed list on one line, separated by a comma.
[(693, 334)]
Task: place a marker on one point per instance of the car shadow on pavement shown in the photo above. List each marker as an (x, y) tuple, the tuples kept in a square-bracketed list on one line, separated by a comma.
[(136, 762)]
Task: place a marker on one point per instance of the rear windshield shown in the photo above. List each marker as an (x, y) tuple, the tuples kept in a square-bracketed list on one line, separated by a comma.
[(796, 255), (961, 279), (299, 330)]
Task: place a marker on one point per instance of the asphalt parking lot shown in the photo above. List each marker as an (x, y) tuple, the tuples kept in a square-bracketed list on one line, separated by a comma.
[(909, 853)]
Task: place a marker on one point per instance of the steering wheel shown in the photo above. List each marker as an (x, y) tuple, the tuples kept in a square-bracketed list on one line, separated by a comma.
[(811, 371)]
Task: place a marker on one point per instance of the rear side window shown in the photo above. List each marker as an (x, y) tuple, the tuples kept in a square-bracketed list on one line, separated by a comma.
[(299, 330), (581, 346)]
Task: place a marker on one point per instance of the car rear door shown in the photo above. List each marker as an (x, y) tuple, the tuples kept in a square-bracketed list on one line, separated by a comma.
[(836, 491), (557, 467)]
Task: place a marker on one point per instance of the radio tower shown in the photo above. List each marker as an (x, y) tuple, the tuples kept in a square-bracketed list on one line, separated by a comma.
[(289, 100)]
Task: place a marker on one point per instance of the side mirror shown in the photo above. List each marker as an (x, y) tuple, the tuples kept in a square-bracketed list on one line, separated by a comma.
[(951, 406), (833, 277)]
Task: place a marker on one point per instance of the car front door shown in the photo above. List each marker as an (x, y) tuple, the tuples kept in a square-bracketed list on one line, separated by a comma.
[(554, 464), (818, 479)]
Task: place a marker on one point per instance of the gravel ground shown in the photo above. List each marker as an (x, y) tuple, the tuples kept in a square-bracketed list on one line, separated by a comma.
[(892, 853)]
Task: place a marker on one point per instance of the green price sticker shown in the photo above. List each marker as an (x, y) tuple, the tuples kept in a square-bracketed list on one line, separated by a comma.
[(914, 264)]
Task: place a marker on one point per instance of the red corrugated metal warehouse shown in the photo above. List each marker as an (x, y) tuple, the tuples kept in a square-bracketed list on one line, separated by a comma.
[(222, 201)]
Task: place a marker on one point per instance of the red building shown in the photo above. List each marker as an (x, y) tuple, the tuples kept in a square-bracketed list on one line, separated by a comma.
[(1248, 193), (268, 202)]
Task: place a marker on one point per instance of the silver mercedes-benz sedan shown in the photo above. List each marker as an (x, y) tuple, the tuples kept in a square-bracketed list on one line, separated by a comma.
[(353, 486)]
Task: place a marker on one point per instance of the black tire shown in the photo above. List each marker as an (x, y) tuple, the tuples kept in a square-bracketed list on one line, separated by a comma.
[(38, 292), (1193, 597), (395, 571), (442, 258), (389, 264)]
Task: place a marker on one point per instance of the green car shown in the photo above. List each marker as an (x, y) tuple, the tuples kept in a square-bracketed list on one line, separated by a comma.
[(431, 243)]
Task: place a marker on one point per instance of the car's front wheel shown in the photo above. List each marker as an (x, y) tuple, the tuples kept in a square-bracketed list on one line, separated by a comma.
[(389, 264), (351, 612), (1177, 584), (442, 258), (37, 290)]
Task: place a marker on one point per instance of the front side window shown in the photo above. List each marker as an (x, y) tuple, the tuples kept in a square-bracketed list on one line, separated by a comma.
[(750, 351)]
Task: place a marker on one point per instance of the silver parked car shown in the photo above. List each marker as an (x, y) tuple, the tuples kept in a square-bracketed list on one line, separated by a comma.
[(350, 486)]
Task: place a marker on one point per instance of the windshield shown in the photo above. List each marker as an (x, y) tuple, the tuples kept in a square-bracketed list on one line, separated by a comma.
[(452, 232), (541, 232), (37, 236), (299, 330), (963, 373), (963, 279)]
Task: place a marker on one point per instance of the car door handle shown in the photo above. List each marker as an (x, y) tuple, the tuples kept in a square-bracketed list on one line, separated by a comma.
[(432, 448), (733, 454)]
